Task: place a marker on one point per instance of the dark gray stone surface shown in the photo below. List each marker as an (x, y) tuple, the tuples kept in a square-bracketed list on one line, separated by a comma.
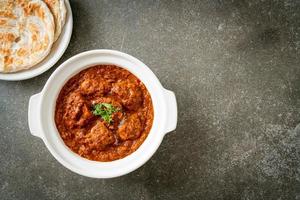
[(234, 66)]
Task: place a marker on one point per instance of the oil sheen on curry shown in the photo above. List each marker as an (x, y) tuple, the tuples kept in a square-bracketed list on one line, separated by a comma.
[(104, 113)]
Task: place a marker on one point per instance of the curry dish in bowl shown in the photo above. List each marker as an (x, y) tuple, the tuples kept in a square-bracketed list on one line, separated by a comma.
[(104, 113)]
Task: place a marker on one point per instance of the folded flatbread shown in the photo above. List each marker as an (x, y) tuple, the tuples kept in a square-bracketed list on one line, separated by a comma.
[(26, 34), (59, 12)]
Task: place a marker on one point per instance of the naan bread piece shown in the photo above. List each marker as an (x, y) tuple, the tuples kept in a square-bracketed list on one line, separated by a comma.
[(59, 12), (26, 34)]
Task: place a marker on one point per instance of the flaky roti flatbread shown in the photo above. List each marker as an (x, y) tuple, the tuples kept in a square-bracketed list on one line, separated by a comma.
[(26, 34), (59, 11)]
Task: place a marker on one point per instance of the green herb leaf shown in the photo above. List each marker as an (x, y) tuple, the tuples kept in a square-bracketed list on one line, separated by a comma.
[(105, 110)]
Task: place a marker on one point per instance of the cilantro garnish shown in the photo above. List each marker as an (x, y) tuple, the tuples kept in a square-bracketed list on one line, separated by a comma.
[(105, 110)]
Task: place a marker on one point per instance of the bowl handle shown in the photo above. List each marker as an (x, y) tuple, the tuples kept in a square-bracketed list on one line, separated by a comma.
[(34, 115), (171, 111)]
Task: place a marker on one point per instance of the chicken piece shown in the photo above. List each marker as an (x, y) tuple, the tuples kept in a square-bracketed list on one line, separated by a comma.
[(131, 128), (95, 86), (109, 100), (129, 93), (77, 112), (99, 137)]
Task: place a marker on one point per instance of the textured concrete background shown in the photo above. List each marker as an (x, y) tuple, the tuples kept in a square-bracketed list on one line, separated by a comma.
[(234, 66)]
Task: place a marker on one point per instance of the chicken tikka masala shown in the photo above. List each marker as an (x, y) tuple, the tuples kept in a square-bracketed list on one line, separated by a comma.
[(104, 113)]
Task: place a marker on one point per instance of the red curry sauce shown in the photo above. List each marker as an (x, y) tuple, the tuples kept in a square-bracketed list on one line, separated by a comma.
[(92, 137)]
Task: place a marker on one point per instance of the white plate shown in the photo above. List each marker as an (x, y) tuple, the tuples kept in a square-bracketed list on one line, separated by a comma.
[(55, 54)]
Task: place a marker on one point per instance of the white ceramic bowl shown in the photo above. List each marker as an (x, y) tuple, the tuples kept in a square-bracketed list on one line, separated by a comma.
[(42, 106), (55, 54)]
